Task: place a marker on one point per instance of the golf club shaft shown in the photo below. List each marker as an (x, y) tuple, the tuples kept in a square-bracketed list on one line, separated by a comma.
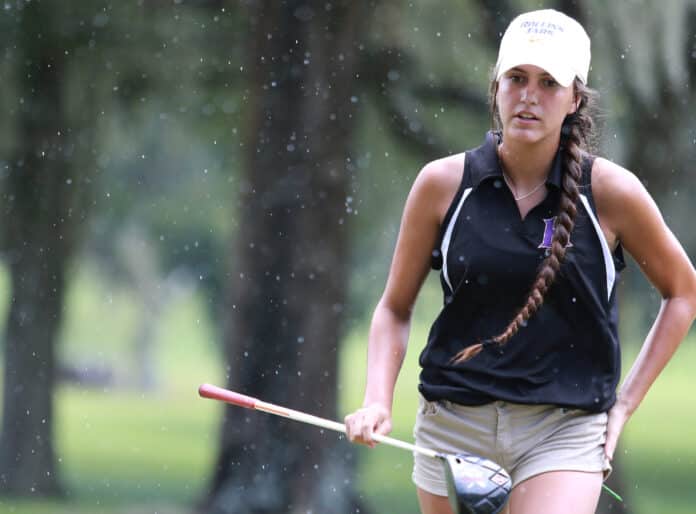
[(225, 395), (248, 402)]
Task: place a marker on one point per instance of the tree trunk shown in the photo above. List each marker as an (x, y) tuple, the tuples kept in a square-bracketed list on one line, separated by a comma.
[(288, 281), (41, 224), (37, 254)]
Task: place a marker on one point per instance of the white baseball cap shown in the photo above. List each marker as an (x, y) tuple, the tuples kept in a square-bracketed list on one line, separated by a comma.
[(548, 39)]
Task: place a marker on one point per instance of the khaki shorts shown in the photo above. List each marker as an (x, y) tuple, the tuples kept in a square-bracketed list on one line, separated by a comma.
[(525, 439)]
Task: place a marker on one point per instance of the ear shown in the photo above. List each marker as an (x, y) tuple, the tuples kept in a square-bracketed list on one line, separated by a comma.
[(575, 105)]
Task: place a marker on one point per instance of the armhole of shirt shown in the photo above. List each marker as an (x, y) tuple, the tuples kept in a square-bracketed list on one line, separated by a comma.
[(614, 261), (587, 164), (437, 257)]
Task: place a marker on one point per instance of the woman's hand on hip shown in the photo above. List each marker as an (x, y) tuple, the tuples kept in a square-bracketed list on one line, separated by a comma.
[(371, 419), (617, 418)]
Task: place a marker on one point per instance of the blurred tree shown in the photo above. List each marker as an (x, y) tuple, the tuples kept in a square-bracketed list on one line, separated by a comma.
[(46, 183), (288, 285), (79, 68), (655, 74), (176, 87)]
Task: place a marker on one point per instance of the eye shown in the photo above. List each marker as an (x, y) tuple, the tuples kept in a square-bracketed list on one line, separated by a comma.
[(549, 82)]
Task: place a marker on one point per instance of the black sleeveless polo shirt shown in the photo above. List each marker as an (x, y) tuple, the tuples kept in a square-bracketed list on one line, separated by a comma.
[(568, 352)]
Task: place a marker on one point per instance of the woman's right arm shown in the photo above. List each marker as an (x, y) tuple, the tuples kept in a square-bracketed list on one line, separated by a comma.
[(427, 203)]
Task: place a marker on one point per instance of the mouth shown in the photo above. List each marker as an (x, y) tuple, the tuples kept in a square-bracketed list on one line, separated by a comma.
[(526, 116)]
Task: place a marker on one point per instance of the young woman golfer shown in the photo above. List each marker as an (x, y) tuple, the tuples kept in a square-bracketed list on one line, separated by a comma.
[(522, 364)]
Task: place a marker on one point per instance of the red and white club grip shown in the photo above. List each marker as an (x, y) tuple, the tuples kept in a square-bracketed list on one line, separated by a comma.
[(241, 400), (218, 393)]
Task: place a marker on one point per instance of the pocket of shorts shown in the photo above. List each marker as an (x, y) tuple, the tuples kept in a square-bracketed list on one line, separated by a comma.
[(571, 411), (589, 417), (427, 408)]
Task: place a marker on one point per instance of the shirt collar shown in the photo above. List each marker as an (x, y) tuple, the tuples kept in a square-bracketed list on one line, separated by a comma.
[(489, 166)]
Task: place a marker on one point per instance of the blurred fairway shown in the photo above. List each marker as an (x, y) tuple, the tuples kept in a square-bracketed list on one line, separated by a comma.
[(126, 452)]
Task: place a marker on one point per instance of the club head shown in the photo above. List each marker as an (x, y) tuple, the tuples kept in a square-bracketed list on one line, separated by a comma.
[(476, 485)]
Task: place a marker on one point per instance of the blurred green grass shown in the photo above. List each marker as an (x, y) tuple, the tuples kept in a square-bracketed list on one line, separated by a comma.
[(120, 449), (123, 451)]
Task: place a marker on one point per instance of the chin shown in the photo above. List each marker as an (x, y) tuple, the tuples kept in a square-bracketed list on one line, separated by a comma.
[(531, 135), (524, 135)]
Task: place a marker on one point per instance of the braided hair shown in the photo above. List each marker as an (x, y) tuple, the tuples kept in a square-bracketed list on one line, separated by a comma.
[(576, 137)]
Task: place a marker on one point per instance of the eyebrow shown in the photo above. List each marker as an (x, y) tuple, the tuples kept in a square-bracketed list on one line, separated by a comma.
[(544, 75), (520, 70)]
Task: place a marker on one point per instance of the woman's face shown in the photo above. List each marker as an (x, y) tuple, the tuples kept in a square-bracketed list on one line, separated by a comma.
[(532, 105)]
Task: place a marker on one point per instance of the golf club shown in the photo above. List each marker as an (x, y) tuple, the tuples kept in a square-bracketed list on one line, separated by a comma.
[(474, 485)]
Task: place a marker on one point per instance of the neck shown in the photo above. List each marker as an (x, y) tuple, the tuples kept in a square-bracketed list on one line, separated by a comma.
[(527, 164)]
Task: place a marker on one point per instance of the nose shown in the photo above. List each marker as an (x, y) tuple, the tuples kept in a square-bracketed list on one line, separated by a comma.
[(530, 94)]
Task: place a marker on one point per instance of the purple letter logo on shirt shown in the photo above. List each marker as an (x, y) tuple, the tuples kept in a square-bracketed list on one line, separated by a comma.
[(549, 224)]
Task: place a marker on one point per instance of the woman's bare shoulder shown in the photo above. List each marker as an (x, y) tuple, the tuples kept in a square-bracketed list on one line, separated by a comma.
[(436, 185), (612, 183), (620, 196), (445, 172)]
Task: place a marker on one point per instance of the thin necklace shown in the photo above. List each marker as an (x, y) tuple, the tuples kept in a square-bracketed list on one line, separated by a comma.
[(526, 195)]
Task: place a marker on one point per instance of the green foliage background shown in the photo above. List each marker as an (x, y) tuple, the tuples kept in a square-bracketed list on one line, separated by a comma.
[(170, 89)]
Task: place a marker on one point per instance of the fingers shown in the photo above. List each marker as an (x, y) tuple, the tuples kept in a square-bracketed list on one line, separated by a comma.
[(616, 420), (363, 423), (614, 428), (610, 445)]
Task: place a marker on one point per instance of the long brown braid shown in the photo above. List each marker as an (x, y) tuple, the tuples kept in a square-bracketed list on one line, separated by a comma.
[(576, 134)]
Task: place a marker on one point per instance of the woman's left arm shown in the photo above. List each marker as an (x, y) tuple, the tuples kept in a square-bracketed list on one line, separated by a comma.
[(627, 211)]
